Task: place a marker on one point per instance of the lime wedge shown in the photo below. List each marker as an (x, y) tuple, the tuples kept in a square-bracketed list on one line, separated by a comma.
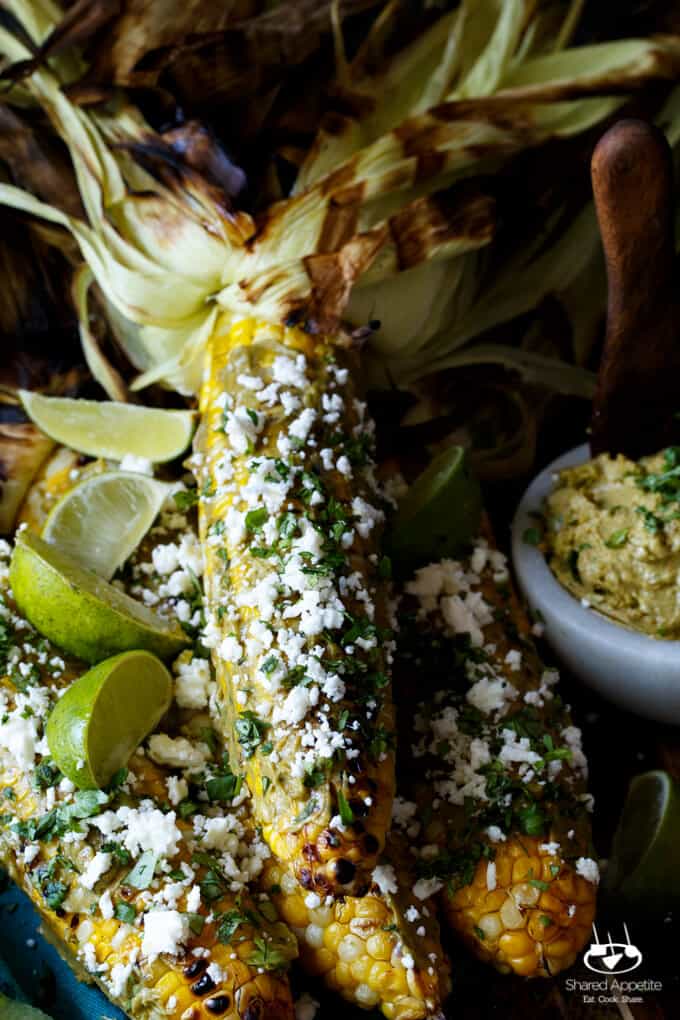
[(104, 716), (642, 872), (78, 611), (104, 428), (11, 1010), (100, 522), (438, 516)]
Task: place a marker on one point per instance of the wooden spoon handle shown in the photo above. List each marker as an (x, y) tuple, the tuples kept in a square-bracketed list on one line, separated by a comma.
[(638, 391)]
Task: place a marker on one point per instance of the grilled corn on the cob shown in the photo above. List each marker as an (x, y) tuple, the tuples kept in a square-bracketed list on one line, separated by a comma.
[(501, 812), (379, 951), (143, 887), (290, 517)]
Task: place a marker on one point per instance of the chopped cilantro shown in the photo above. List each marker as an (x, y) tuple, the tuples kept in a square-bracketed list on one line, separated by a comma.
[(267, 956), (224, 787), (250, 731), (229, 923), (185, 498), (54, 893), (6, 642), (119, 852), (117, 779), (256, 519), (186, 808), (532, 820), (651, 521), (314, 776), (46, 775), (617, 539), (196, 922), (125, 912), (346, 813)]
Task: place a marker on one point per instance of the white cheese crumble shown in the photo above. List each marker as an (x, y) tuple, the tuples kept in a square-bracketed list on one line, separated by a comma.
[(165, 931), (138, 465), (193, 681), (587, 868), (385, 878), (177, 752), (147, 828), (98, 866)]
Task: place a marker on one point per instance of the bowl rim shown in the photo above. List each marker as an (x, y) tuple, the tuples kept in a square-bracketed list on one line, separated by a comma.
[(542, 587)]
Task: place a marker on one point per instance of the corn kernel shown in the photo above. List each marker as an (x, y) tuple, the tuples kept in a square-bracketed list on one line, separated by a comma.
[(350, 948), (515, 943), (379, 946), (511, 915)]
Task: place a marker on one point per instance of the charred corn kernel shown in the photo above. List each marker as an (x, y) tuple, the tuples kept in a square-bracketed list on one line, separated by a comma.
[(503, 772), (54, 479), (164, 933), (368, 951), (290, 521)]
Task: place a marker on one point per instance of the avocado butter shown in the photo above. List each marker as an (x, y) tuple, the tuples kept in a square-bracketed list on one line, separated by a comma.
[(613, 538)]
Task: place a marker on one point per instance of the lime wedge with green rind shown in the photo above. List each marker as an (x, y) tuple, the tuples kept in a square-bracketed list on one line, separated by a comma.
[(439, 515), (104, 716), (642, 873), (11, 1010), (101, 521), (104, 428), (81, 613)]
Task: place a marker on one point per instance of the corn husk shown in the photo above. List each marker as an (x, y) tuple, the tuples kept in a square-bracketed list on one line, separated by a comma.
[(171, 252)]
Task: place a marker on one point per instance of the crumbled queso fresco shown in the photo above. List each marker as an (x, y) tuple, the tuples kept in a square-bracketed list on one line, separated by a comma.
[(173, 829), (494, 744), (293, 510)]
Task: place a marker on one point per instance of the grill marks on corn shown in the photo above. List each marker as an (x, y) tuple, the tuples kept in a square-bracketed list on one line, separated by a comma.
[(499, 808), (289, 520), (379, 951)]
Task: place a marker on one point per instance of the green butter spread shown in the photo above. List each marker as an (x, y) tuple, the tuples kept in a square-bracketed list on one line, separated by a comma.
[(613, 538)]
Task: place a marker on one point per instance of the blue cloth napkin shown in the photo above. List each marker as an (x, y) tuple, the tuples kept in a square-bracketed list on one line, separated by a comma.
[(42, 977)]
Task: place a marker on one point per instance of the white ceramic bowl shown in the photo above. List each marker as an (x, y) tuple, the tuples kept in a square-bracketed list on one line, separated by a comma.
[(638, 672)]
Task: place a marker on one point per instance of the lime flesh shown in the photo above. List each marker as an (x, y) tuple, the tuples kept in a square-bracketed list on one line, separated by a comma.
[(105, 714), (642, 872), (439, 515), (104, 428), (81, 613), (101, 521)]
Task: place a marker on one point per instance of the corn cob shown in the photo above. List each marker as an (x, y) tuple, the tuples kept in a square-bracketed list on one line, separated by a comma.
[(505, 833), (379, 951), (55, 477), (190, 942), (294, 595)]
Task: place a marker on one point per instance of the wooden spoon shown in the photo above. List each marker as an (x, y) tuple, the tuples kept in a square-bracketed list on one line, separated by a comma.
[(637, 401)]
